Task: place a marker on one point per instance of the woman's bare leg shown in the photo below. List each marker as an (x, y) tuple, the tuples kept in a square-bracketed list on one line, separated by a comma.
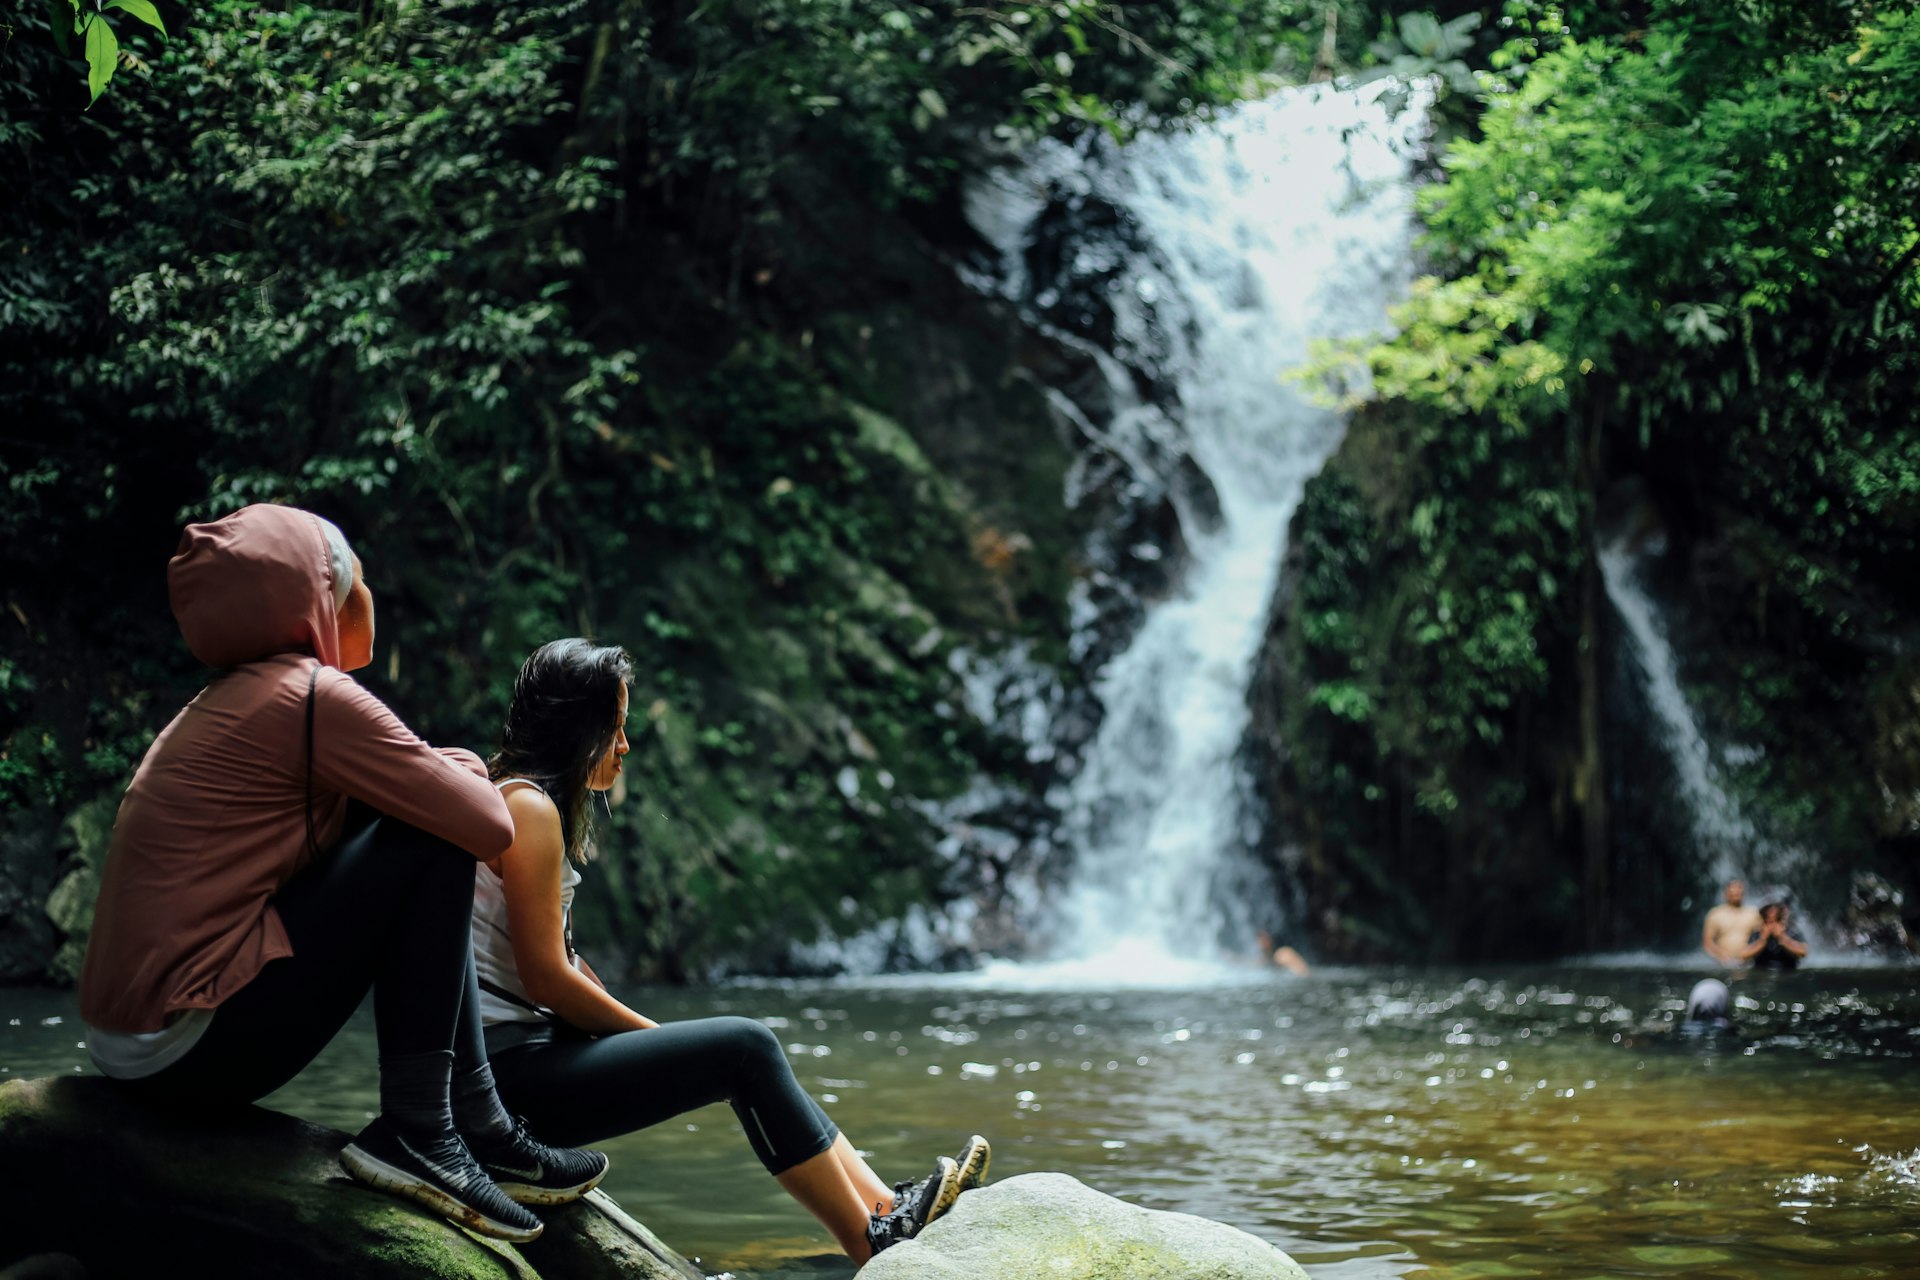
[(873, 1192), (821, 1185)]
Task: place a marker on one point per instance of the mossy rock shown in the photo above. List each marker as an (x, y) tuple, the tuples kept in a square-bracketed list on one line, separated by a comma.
[(85, 836), (1048, 1224), (125, 1188)]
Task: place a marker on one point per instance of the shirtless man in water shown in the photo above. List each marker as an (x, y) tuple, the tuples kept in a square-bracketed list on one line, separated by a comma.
[(1729, 925)]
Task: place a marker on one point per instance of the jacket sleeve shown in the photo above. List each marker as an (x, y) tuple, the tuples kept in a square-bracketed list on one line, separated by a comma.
[(361, 749)]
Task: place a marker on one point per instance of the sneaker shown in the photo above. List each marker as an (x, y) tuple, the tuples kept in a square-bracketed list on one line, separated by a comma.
[(973, 1160), (531, 1172), (440, 1173), (915, 1204)]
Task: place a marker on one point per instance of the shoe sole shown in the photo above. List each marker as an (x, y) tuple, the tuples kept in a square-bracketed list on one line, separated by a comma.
[(973, 1162), (948, 1193), (526, 1193), (376, 1172)]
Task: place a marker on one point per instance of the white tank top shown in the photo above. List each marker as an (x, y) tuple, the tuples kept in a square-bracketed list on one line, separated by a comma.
[(493, 945)]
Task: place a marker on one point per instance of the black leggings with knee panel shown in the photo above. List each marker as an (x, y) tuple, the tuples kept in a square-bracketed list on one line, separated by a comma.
[(576, 1092)]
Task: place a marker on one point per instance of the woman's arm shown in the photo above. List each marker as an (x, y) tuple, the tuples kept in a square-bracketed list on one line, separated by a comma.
[(1793, 945), (587, 969), (1757, 945), (530, 872), (361, 749)]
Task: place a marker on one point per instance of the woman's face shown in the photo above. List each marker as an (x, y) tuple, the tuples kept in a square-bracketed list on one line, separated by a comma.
[(609, 767), (355, 624)]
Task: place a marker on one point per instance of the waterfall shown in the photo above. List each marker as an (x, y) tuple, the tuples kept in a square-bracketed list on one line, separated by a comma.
[(1285, 220), (1727, 840)]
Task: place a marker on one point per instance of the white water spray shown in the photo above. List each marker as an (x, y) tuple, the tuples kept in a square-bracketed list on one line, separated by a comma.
[(1731, 845), (1288, 220)]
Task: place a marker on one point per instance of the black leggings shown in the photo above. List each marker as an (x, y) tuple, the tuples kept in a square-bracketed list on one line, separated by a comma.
[(390, 908), (576, 1092)]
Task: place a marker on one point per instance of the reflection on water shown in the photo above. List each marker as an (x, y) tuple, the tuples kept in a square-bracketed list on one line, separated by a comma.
[(1436, 1125)]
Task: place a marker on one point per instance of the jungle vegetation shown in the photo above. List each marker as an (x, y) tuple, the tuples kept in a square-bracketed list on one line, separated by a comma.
[(1672, 292), (588, 316)]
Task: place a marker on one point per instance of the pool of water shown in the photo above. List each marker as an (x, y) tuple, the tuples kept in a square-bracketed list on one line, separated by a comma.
[(1430, 1124)]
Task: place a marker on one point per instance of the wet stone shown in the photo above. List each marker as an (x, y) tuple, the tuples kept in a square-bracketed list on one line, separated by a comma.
[(1054, 1225)]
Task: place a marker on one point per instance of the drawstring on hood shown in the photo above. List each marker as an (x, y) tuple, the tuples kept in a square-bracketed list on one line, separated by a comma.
[(254, 584)]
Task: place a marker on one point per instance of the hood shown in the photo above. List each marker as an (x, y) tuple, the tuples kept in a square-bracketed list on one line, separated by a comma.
[(255, 584)]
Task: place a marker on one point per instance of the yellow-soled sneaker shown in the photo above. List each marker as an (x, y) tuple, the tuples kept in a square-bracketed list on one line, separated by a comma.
[(973, 1161), (915, 1204)]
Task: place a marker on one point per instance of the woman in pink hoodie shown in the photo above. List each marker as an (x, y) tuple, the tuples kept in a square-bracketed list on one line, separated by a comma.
[(240, 924)]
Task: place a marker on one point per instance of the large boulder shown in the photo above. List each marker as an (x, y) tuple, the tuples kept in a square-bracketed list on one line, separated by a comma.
[(124, 1188), (1048, 1226)]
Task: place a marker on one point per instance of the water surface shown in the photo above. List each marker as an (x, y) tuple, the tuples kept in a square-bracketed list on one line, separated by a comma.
[(1434, 1124)]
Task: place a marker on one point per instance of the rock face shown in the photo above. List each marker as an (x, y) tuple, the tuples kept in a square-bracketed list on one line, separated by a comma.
[(1053, 1226), (127, 1190)]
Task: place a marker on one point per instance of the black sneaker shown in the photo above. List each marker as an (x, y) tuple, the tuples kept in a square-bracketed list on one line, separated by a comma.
[(531, 1172), (973, 1161), (440, 1173), (915, 1204)]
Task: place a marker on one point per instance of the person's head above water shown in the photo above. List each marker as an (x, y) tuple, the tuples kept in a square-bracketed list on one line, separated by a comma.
[(1773, 911), (268, 580), (1709, 1002), (1736, 892), (566, 729)]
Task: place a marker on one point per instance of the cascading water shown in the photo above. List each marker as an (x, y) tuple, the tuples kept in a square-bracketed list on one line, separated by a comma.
[(1728, 842), (1287, 220)]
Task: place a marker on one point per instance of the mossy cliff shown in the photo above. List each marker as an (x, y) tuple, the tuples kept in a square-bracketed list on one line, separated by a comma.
[(1458, 763)]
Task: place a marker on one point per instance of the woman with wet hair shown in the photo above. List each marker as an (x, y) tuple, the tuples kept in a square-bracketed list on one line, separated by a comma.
[(240, 922), (580, 1064)]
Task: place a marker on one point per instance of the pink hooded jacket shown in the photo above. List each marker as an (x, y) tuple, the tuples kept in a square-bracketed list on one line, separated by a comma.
[(215, 821)]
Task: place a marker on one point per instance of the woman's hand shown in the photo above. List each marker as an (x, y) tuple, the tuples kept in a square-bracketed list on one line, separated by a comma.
[(598, 982)]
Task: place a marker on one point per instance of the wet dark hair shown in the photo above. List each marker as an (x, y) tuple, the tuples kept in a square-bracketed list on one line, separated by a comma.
[(560, 723), (1771, 909)]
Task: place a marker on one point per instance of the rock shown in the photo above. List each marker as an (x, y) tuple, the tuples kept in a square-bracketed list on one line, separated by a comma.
[(1053, 1226), (85, 836), (122, 1189), (1873, 917), (596, 1237), (45, 1266)]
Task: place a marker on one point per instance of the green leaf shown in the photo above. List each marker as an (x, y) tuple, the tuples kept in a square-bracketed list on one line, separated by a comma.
[(1421, 33), (1456, 37), (103, 54), (143, 10)]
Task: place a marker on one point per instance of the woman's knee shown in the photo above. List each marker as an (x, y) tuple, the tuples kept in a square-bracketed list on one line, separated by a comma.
[(422, 855), (754, 1038), (754, 1049)]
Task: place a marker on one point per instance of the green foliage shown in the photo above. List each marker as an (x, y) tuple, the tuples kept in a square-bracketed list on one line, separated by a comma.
[(86, 23), (32, 768), (512, 294), (1684, 247), (1423, 45)]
